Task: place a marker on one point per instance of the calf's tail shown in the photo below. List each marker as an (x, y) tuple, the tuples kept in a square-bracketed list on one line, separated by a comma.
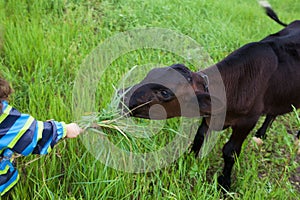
[(270, 12)]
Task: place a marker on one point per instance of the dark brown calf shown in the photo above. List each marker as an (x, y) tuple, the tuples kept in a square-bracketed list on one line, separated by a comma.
[(260, 78)]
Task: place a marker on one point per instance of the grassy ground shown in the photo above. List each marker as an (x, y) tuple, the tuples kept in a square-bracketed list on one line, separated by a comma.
[(43, 45)]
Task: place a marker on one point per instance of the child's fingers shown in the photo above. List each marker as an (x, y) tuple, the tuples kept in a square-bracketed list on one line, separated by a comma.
[(73, 130)]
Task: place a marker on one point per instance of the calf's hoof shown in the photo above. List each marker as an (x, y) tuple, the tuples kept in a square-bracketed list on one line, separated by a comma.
[(257, 140), (195, 152), (224, 183)]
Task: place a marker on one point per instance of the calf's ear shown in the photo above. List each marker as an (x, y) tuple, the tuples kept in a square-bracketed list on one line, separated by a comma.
[(208, 102)]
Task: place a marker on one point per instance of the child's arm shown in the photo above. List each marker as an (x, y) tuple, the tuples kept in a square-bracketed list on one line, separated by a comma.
[(25, 135)]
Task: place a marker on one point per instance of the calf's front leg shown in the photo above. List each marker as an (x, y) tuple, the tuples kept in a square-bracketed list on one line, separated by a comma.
[(233, 148), (199, 138)]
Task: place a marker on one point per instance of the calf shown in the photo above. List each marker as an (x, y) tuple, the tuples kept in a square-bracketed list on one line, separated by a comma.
[(260, 78)]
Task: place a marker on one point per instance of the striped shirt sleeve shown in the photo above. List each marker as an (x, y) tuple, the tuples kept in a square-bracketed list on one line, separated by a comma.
[(25, 135)]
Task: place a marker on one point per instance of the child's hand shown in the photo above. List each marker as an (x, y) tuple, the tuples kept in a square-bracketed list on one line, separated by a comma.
[(73, 130)]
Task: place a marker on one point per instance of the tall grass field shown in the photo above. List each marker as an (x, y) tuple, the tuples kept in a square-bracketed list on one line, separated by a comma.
[(43, 45)]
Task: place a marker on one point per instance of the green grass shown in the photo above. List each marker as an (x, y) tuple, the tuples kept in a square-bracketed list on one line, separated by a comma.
[(43, 45)]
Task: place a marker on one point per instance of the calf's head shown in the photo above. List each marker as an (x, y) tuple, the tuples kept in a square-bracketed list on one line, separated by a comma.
[(169, 92)]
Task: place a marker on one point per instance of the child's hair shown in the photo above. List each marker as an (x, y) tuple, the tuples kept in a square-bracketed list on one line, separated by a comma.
[(5, 91)]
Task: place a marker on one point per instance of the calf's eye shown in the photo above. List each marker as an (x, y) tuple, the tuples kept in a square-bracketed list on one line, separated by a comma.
[(165, 94)]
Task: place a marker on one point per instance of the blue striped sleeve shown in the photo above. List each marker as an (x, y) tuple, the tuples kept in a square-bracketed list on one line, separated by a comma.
[(25, 135)]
